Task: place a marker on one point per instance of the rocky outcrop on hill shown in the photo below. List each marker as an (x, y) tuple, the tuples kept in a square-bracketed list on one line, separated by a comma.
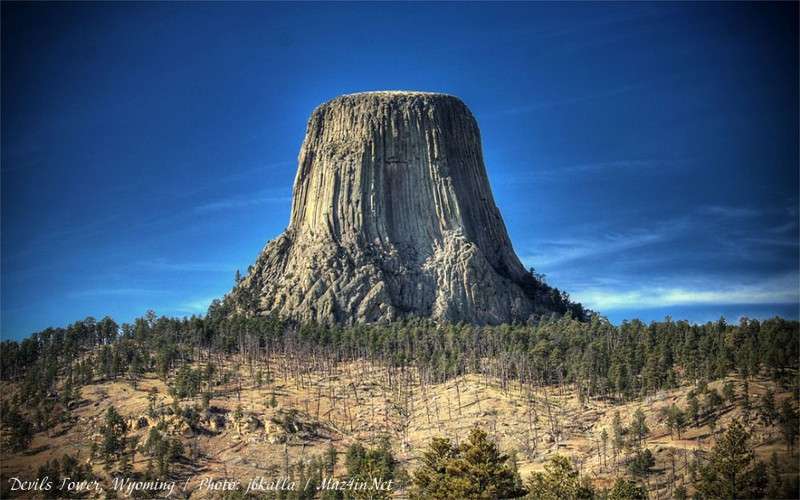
[(392, 217)]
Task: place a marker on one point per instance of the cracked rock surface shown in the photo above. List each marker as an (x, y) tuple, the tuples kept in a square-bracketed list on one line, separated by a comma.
[(392, 216)]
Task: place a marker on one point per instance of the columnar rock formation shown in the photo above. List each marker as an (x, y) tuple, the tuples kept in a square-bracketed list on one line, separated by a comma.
[(392, 216)]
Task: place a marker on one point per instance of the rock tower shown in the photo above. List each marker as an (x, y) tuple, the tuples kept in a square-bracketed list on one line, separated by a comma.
[(392, 217)]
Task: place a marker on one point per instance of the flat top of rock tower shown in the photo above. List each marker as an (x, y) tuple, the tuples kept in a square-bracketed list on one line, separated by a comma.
[(399, 97), (391, 93)]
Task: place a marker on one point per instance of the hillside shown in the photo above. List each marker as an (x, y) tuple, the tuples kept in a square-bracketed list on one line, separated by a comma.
[(352, 404), (265, 415)]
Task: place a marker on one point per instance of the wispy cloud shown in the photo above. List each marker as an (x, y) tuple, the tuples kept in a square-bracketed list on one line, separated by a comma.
[(560, 37), (565, 250), (612, 165), (102, 292), (164, 265), (781, 290), (567, 101), (235, 202), (783, 228), (196, 306), (567, 173), (255, 171), (592, 94), (789, 242), (604, 166), (730, 212)]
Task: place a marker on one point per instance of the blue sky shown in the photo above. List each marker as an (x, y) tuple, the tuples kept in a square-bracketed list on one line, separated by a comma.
[(644, 156)]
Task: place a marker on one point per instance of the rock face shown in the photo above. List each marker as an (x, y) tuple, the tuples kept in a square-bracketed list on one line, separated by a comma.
[(392, 216)]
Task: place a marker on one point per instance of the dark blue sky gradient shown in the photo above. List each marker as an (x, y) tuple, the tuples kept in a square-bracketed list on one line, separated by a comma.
[(644, 156)]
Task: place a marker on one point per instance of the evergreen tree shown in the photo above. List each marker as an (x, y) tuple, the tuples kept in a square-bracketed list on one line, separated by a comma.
[(163, 450), (674, 418), (639, 428), (330, 459), (20, 429), (713, 401), (476, 469), (625, 489), (560, 480), (152, 396), (767, 413), (604, 441), (619, 434), (368, 465), (730, 471), (113, 434), (678, 420), (790, 423), (745, 402), (432, 478), (642, 463), (135, 370), (774, 479), (728, 392), (694, 407)]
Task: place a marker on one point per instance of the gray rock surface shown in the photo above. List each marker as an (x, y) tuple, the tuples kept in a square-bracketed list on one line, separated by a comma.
[(392, 216)]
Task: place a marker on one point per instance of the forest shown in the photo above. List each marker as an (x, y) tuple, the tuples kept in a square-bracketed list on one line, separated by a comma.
[(592, 359), (630, 360)]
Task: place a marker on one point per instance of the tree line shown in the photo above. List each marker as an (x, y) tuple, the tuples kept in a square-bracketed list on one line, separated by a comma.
[(600, 360), (603, 360)]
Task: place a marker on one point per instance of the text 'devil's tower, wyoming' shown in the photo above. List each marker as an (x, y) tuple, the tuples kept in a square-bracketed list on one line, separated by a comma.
[(392, 217)]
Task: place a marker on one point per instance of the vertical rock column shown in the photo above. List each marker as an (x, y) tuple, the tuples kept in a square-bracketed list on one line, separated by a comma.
[(392, 216)]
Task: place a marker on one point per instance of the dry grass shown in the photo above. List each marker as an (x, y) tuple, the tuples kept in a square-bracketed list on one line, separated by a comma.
[(353, 403)]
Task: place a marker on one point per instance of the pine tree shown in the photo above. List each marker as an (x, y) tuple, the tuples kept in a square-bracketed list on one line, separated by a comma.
[(678, 420), (113, 433), (431, 478), (619, 434), (713, 401), (559, 480), (694, 407), (625, 489), (604, 441), (370, 464), (774, 480), (639, 427), (746, 404), (152, 396), (488, 470), (790, 423), (475, 469), (728, 392), (767, 413), (642, 463), (20, 428), (730, 471), (135, 371), (330, 459)]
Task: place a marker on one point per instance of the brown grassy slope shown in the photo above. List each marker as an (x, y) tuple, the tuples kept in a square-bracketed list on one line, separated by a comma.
[(354, 403)]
